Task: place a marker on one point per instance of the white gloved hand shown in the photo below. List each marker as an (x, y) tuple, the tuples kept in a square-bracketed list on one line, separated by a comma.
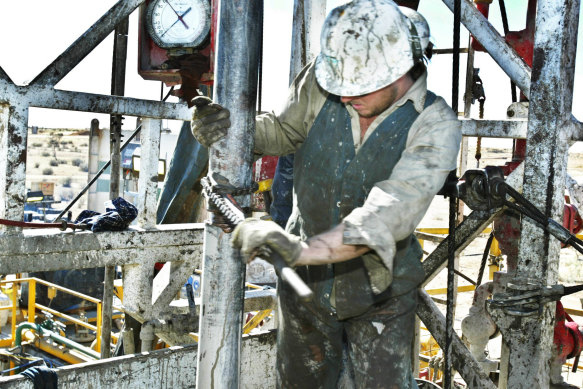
[(210, 121), (254, 233)]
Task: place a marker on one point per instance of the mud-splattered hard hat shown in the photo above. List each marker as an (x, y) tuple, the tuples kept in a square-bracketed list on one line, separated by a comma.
[(421, 26), (365, 46)]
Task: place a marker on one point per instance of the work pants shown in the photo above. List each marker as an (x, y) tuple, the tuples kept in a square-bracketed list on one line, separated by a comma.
[(310, 344)]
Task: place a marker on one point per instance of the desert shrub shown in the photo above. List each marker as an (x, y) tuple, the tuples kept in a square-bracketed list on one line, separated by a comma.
[(62, 161), (84, 145), (37, 145), (36, 165), (45, 154), (48, 171), (77, 162), (54, 162), (83, 167), (67, 182)]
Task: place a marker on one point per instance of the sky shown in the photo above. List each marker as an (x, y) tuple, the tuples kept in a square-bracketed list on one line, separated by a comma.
[(26, 50)]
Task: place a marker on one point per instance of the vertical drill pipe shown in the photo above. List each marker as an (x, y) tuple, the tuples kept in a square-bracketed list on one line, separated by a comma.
[(223, 269)]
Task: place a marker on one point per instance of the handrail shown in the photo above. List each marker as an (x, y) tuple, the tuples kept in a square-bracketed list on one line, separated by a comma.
[(33, 306)]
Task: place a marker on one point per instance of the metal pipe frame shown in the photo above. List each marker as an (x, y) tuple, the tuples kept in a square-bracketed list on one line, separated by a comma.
[(550, 124), (40, 251), (223, 277), (551, 96)]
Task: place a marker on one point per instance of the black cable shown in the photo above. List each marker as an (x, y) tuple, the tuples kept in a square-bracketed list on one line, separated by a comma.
[(506, 29), (448, 381), (484, 259), (99, 173)]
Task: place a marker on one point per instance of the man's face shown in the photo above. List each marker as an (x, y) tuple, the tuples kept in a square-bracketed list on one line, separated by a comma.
[(374, 103)]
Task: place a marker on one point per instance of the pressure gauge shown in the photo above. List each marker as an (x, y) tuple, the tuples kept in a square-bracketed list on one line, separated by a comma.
[(178, 23)]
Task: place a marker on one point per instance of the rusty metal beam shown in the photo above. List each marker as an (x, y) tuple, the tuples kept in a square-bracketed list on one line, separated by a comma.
[(65, 62), (173, 367), (530, 339), (494, 128), (236, 74), (463, 361), (13, 140), (307, 22), (54, 250), (501, 52), (47, 97), (465, 233)]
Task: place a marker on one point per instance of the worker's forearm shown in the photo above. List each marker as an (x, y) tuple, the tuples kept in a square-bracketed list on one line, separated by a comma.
[(328, 248)]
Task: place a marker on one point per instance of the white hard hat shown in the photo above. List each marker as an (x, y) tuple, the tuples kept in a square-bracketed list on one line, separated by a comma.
[(421, 25), (365, 46)]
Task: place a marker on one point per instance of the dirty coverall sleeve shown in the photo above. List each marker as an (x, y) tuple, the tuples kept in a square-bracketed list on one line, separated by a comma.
[(284, 132), (394, 207)]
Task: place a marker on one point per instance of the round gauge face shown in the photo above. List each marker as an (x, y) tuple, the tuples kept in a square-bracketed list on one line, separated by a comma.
[(178, 23)]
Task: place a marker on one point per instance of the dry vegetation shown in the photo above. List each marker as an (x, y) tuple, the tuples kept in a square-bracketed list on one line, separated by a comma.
[(59, 156)]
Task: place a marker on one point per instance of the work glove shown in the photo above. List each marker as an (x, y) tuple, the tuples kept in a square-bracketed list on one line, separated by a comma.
[(253, 235), (210, 121)]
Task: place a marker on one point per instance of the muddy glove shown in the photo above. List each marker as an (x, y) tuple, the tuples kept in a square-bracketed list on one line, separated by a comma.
[(210, 122), (253, 234)]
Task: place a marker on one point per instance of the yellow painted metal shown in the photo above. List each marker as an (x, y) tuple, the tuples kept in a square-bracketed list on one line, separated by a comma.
[(444, 231), (66, 354), (98, 333), (265, 185), (33, 306), (464, 288), (495, 248), (52, 292), (66, 317), (255, 320), (31, 299), (194, 335)]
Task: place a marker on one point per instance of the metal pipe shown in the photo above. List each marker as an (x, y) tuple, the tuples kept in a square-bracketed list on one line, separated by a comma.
[(54, 336), (223, 269), (544, 182), (118, 72), (42, 96), (463, 360), (65, 62), (13, 140), (308, 18), (504, 55)]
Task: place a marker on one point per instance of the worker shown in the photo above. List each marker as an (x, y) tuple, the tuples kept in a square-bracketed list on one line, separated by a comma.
[(372, 148)]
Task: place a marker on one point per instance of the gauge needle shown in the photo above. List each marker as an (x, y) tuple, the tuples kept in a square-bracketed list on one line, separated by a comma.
[(177, 20), (179, 16)]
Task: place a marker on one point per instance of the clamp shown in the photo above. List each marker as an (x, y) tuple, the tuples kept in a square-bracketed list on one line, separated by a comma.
[(218, 191)]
